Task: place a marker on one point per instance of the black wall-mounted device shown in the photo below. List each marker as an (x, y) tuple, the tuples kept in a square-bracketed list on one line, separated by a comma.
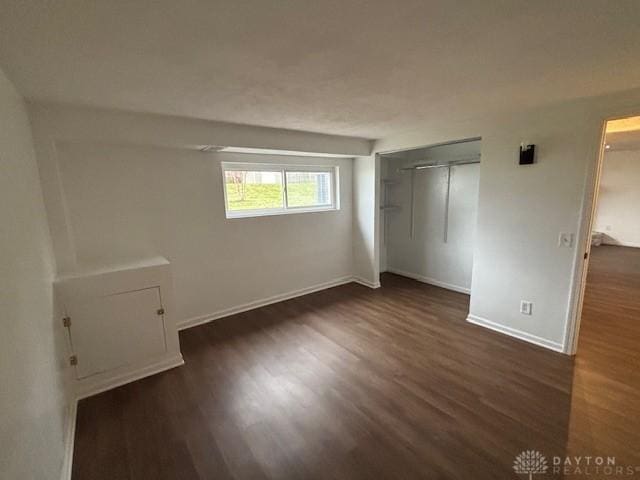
[(527, 154)]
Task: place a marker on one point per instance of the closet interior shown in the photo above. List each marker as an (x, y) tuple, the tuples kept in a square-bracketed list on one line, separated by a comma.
[(429, 204)]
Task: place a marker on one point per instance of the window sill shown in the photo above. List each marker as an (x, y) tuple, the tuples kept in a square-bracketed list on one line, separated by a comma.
[(291, 211)]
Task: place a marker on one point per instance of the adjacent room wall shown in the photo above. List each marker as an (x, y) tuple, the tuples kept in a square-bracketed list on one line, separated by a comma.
[(618, 215), (130, 202), (426, 256), (523, 209), (33, 374)]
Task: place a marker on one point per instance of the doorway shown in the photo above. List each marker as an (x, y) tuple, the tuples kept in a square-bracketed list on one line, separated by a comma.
[(609, 323)]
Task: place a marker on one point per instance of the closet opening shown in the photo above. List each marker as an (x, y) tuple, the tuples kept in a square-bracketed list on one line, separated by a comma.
[(428, 211)]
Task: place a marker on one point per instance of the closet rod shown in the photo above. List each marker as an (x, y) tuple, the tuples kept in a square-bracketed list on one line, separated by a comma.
[(442, 165), (468, 161)]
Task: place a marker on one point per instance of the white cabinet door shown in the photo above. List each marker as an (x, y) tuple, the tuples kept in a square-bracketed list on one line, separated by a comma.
[(116, 330)]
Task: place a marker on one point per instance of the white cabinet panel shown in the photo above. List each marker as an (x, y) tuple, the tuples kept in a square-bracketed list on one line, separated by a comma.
[(115, 330)]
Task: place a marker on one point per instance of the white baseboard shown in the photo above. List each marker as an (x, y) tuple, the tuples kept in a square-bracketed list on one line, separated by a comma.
[(366, 283), (512, 332), (69, 439), (87, 389), (622, 244), (195, 321), (430, 281)]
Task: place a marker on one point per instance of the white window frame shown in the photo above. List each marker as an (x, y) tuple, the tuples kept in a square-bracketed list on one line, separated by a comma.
[(283, 169)]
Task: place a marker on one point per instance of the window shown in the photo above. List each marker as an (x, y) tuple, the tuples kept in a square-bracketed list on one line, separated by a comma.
[(254, 189)]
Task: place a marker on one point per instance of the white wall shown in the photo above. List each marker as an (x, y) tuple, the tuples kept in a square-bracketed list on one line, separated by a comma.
[(127, 202), (522, 209), (426, 256), (33, 402), (54, 124), (618, 216), (365, 221)]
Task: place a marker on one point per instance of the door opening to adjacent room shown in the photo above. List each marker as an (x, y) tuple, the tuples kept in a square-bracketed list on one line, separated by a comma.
[(609, 303), (429, 200)]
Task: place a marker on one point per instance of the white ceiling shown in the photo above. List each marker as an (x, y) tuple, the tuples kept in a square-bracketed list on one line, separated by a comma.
[(367, 68)]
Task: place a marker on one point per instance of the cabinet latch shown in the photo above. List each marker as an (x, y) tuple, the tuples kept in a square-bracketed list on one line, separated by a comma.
[(66, 321), (160, 311), (73, 360)]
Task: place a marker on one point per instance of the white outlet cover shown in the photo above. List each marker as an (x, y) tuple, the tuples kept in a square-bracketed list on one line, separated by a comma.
[(526, 307)]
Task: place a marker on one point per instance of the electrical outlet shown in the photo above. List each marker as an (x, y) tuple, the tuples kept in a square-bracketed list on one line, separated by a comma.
[(526, 308), (565, 240)]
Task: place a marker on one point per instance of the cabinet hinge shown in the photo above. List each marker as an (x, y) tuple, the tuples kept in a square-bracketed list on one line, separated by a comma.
[(160, 311), (73, 360), (66, 321), (586, 255)]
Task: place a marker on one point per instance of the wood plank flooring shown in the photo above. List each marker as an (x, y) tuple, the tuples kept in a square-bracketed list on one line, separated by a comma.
[(605, 404), (353, 383)]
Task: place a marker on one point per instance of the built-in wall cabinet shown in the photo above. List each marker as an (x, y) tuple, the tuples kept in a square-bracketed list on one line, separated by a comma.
[(120, 323)]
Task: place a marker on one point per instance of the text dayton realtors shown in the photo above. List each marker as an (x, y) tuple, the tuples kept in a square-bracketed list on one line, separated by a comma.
[(591, 465)]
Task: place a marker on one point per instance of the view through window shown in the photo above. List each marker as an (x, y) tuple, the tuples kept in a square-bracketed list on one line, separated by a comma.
[(262, 189)]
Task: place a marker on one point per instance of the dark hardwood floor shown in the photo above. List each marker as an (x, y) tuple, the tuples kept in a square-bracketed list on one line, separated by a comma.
[(353, 383), (606, 382)]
